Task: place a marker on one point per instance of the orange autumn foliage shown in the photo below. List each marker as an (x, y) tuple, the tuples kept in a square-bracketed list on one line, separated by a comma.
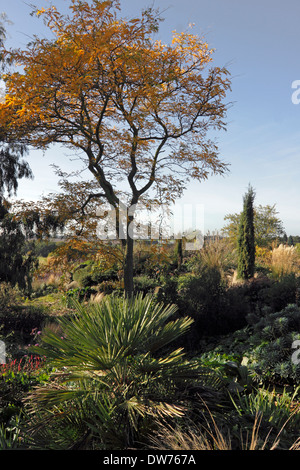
[(137, 111)]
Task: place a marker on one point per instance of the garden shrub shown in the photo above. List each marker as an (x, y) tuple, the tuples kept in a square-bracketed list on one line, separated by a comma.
[(44, 248), (216, 308), (99, 275), (144, 284), (9, 297), (235, 308), (90, 275), (17, 379), (168, 290), (83, 275), (79, 294), (43, 290), (266, 347), (279, 293), (20, 321), (110, 286), (203, 297), (272, 346)]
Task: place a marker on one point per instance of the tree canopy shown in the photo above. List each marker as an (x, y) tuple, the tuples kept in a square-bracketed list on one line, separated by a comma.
[(138, 111)]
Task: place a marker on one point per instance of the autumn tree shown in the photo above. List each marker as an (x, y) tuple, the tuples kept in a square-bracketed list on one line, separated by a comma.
[(137, 111)]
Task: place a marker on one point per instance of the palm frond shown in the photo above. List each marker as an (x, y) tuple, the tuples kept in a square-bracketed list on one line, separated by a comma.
[(106, 357)]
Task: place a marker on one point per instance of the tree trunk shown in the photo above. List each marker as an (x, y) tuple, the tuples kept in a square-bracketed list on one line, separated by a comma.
[(128, 268)]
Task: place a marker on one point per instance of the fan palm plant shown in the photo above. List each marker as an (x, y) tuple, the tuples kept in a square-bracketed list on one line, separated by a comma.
[(115, 374)]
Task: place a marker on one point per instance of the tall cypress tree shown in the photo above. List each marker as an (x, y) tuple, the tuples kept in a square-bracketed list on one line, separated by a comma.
[(246, 240)]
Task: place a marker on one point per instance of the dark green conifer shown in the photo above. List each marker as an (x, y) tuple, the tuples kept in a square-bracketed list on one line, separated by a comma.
[(179, 252), (246, 240)]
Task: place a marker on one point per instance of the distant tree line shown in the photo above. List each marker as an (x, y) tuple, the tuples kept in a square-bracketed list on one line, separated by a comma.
[(291, 239)]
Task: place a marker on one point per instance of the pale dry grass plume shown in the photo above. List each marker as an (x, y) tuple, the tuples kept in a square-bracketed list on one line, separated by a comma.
[(97, 298), (284, 260)]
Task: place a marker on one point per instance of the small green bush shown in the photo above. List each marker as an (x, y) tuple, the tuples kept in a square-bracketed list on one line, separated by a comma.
[(216, 308), (89, 275), (18, 324), (79, 294), (43, 290), (83, 276), (168, 292), (9, 297), (44, 248), (203, 297), (280, 293), (144, 284)]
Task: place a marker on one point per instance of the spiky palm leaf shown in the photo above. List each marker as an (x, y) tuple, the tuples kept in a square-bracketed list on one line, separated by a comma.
[(107, 358)]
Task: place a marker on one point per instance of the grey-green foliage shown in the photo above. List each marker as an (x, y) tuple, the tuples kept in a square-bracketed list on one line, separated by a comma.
[(271, 346), (267, 347)]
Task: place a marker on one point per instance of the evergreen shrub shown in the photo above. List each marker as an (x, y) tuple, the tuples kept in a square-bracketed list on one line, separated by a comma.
[(266, 347)]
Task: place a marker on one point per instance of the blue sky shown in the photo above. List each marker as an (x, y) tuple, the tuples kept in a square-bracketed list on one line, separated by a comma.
[(258, 42)]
